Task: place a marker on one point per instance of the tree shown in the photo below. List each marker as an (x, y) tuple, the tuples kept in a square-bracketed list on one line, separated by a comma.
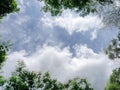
[(4, 48), (84, 7), (23, 79), (114, 81), (78, 84), (109, 10), (113, 50), (111, 14), (7, 6)]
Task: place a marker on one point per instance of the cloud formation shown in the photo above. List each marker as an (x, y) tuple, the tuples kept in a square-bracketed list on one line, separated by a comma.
[(31, 29), (74, 23), (96, 68)]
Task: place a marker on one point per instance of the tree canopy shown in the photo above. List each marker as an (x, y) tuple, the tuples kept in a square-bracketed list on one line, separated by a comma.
[(114, 81), (113, 50), (83, 7), (109, 10), (23, 79), (4, 48), (7, 6)]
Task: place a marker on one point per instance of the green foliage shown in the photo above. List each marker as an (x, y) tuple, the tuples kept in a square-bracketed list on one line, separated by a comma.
[(4, 48), (78, 84), (114, 81), (16, 83), (23, 79), (84, 7), (113, 50), (51, 84), (7, 6), (2, 80)]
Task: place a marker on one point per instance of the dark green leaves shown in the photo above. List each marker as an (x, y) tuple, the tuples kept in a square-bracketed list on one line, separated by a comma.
[(7, 6), (4, 48), (83, 7)]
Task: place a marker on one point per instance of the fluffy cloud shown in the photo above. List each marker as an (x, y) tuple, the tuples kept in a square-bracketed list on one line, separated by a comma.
[(63, 66), (30, 28), (74, 23)]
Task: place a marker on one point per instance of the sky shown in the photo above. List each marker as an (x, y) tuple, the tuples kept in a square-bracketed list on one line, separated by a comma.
[(67, 46)]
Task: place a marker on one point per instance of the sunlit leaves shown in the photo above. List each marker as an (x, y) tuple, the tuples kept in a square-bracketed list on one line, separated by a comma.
[(2, 80), (114, 81)]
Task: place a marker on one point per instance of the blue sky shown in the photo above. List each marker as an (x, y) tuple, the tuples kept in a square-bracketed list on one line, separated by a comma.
[(67, 45)]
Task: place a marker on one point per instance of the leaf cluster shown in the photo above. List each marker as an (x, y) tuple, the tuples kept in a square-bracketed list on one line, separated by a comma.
[(4, 48), (113, 50), (114, 81), (84, 7), (7, 6), (23, 79)]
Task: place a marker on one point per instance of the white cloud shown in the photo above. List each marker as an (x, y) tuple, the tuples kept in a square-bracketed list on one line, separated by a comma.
[(63, 66), (74, 23), (26, 27), (84, 51)]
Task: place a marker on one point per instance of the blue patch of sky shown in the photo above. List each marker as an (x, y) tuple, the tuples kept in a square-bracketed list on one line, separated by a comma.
[(37, 35), (102, 41)]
